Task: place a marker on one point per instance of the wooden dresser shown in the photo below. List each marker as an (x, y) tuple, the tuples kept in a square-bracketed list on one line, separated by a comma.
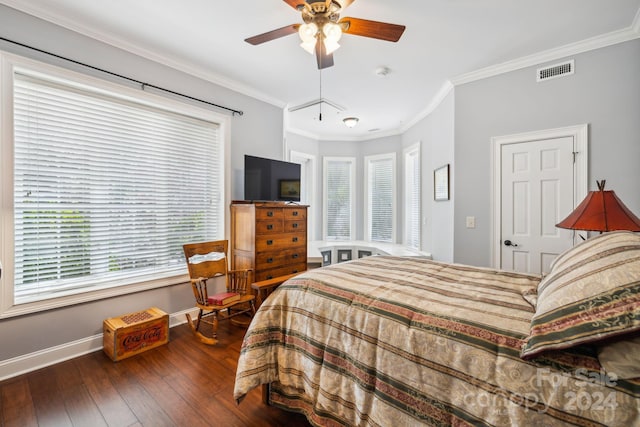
[(269, 237)]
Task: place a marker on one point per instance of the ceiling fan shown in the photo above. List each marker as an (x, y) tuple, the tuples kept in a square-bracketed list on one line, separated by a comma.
[(323, 28)]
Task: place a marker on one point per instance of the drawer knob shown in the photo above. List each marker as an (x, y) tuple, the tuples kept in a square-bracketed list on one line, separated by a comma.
[(294, 256), (270, 213), (294, 271), (269, 226), (295, 225), (269, 242), (295, 213), (269, 260), (269, 277), (295, 239)]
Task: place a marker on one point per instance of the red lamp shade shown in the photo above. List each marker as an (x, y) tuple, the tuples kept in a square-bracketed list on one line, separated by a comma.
[(601, 211)]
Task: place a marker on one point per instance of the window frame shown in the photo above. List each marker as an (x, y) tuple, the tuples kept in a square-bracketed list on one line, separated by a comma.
[(325, 205), (9, 65), (412, 150), (308, 170), (368, 160)]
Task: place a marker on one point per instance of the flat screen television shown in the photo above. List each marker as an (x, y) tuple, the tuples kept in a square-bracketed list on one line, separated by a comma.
[(271, 180)]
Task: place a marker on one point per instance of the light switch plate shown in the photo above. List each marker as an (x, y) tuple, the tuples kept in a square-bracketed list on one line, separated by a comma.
[(471, 222)]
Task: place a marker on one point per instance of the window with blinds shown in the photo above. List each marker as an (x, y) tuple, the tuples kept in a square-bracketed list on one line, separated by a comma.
[(380, 208), (412, 197), (106, 190), (339, 201)]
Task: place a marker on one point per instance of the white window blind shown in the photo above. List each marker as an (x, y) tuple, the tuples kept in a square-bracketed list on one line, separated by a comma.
[(381, 197), (339, 198), (412, 197), (106, 190)]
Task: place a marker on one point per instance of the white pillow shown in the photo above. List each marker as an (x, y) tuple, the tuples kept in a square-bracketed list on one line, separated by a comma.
[(621, 358)]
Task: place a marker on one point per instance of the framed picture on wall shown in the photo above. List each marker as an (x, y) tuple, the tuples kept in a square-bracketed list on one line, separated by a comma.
[(441, 183)]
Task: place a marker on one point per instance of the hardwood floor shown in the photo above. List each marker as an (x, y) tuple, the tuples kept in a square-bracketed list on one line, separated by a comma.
[(183, 383)]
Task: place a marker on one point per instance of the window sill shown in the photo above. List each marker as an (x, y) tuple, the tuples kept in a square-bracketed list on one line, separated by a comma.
[(94, 295)]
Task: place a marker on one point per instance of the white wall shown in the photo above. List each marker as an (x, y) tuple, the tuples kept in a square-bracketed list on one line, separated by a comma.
[(604, 92), (258, 131), (436, 136)]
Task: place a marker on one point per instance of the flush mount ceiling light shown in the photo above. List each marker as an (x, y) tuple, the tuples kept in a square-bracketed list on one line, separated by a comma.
[(350, 121)]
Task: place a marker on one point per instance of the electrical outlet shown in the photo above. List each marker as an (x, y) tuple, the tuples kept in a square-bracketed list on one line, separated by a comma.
[(471, 222)]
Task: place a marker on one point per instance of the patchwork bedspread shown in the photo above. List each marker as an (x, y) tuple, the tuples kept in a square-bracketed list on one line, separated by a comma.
[(391, 341)]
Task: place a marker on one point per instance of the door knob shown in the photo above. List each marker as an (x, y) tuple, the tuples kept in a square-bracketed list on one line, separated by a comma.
[(510, 243)]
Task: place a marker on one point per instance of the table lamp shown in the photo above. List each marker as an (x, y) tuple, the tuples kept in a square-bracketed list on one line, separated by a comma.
[(601, 211)]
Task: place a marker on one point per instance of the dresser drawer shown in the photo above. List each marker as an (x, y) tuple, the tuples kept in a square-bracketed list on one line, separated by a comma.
[(267, 260), (271, 225), (269, 213), (294, 226), (280, 241), (280, 271), (269, 237), (295, 213)]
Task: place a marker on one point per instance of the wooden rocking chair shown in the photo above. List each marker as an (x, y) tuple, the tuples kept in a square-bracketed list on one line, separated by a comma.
[(206, 261)]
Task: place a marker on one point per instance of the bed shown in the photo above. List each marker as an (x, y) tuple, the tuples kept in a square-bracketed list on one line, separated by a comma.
[(406, 341)]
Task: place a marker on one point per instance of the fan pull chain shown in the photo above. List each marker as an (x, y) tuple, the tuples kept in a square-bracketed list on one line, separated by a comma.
[(320, 117)]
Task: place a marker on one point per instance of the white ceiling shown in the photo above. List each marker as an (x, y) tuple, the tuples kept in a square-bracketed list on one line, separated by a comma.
[(445, 41)]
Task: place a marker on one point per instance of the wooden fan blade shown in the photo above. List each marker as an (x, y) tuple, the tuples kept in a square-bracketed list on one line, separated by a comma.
[(296, 4), (275, 34), (324, 60), (373, 29), (345, 3)]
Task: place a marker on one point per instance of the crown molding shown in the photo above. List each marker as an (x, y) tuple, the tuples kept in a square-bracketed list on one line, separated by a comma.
[(301, 132), (346, 138), (440, 96), (166, 60), (597, 42), (630, 33), (636, 23)]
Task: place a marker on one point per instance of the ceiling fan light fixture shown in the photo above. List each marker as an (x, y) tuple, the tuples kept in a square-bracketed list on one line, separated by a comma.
[(309, 46), (308, 32), (330, 46), (332, 33), (350, 121), (323, 28)]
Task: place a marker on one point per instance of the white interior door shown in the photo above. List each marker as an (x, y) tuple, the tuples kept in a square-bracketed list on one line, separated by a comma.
[(538, 179), (537, 193)]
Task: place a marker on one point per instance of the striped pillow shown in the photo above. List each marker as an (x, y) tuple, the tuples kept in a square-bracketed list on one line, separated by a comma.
[(591, 294)]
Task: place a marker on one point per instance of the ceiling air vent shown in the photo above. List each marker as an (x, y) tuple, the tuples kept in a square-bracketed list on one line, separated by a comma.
[(555, 70)]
